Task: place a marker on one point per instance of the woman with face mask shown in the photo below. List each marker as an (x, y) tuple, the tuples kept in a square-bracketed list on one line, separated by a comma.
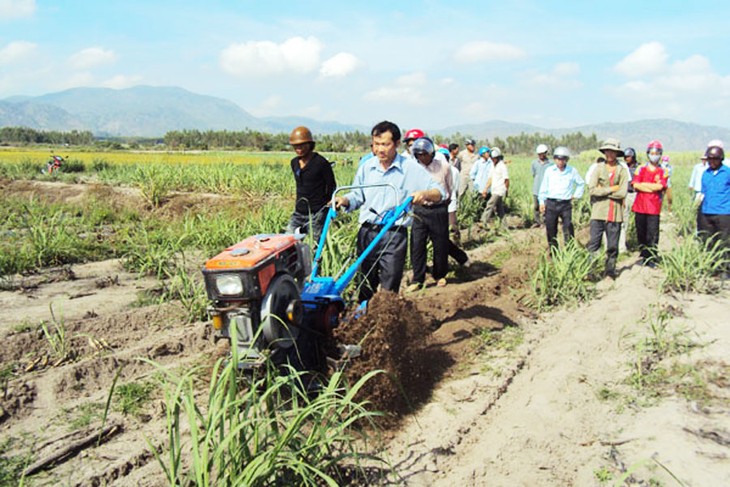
[(649, 183)]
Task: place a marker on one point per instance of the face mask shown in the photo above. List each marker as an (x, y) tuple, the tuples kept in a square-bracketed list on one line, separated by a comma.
[(654, 158)]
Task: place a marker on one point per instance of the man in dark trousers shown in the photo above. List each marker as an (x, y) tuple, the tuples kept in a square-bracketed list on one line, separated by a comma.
[(714, 215), (315, 184), (561, 184), (384, 266), (431, 221)]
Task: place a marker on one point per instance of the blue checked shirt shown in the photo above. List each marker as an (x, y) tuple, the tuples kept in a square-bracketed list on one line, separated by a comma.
[(406, 175)]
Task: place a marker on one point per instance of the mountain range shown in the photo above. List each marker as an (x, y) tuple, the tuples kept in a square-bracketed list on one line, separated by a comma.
[(146, 111)]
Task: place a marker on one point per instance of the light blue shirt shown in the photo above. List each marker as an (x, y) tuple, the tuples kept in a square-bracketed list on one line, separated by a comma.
[(561, 185), (406, 175), (695, 180), (480, 173)]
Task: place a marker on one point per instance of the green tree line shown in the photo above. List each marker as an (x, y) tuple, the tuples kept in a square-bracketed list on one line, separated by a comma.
[(27, 136), (526, 143), (261, 141)]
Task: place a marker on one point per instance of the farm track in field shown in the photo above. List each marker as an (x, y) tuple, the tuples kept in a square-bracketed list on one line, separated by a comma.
[(514, 399)]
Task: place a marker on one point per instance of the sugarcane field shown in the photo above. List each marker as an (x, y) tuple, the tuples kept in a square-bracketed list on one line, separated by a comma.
[(124, 362)]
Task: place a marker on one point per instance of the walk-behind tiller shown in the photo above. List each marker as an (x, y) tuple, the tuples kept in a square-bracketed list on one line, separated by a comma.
[(266, 287)]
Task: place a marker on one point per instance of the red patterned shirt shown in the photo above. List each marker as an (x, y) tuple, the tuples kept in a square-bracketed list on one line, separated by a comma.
[(649, 203)]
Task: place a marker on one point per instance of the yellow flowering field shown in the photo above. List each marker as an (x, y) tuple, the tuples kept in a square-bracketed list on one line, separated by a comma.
[(161, 157)]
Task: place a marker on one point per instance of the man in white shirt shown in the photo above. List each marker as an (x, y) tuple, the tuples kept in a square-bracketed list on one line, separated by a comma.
[(498, 184)]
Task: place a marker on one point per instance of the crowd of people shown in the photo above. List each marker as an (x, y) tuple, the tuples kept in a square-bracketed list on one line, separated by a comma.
[(438, 177)]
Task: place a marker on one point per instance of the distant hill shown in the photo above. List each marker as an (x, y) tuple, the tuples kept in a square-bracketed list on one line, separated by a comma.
[(147, 111), (38, 116), (144, 111), (675, 135)]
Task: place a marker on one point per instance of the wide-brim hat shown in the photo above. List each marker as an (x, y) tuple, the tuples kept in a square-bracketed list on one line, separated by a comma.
[(612, 144)]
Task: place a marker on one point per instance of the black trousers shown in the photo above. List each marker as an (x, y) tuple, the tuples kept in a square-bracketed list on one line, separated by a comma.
[(647, 234), (612, 231), (536, 209), (430, 224), (713, 228), (303, 223), (554, 210), (384, 265), (457, 253)]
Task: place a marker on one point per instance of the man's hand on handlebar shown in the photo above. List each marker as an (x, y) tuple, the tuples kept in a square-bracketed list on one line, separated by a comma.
[(341, 202)]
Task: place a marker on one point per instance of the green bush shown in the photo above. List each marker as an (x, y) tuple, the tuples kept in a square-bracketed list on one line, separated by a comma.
[(691, 265), (563, 277), (267, 430)]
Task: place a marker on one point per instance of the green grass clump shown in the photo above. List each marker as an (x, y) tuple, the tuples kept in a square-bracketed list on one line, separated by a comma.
[(564, 277), (132, 397), (651, 374), (11, 466), (691, 265), (267, 430)]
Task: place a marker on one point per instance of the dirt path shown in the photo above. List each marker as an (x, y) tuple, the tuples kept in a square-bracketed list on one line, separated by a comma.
[(539, 419), (518, 399)]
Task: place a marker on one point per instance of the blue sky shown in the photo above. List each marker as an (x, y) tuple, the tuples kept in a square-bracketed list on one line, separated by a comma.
[(428, 64)]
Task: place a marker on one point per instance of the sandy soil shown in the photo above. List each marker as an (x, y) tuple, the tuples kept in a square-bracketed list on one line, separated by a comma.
[(499, 395)]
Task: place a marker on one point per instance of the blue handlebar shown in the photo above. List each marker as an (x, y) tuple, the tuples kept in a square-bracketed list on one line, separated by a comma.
[(387, 221)]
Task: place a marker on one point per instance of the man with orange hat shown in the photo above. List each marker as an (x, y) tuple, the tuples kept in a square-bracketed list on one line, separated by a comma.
[(315, 182)]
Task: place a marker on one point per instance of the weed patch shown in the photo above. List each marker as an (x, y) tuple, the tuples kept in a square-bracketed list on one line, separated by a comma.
[(563, 277)]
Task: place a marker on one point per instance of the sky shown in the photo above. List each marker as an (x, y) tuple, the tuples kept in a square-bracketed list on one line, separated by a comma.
[(430, 64)]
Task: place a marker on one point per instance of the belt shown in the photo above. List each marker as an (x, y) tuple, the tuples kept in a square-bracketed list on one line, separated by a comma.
[(440, 204), (555, 200), (378, 227)]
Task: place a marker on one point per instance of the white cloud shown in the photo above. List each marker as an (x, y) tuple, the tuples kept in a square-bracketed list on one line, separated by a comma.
[(561, 76), (90, 57), (16, 51), (78, 79), (15, 9), (264, 58), (412, 79), (271, 102), (403, 94), (312, 111), (566, 69), (407, 89), (685, 88), (647, 59), (268, 106), (339, 65), (478, 51), (121, 81)]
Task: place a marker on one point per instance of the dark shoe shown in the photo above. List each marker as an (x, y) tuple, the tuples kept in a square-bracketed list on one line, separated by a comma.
[(650, 264)]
